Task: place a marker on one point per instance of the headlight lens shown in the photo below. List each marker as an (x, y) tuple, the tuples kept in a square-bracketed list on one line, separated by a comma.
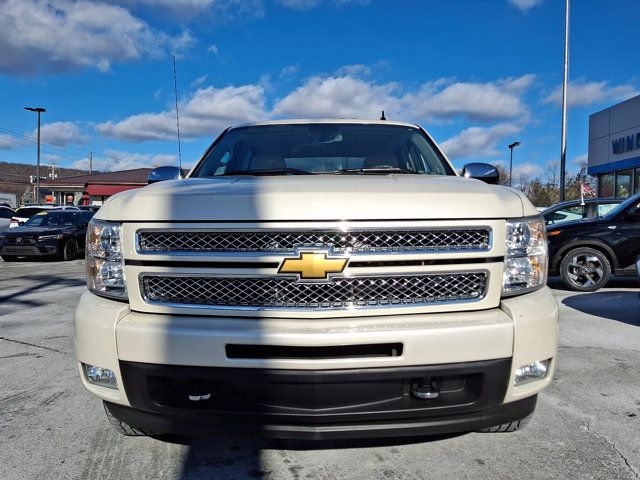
[(104, 260), (50, 237), (525, 263)]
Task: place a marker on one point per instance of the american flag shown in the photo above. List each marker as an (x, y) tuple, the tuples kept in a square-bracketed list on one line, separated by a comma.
[(586, 190)]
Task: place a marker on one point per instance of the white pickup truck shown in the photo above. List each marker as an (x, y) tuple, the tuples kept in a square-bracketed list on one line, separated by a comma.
[(318, 279)]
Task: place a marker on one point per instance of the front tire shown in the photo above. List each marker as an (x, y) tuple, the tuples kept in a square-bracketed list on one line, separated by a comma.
[(508, 427), (70, 250), (585, 269), (122, 427)]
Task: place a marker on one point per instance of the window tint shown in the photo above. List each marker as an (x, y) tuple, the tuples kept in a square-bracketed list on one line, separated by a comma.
[(322, 148), (53, 219), (605, 208), (6, 213), (28, 212), (567, 214)]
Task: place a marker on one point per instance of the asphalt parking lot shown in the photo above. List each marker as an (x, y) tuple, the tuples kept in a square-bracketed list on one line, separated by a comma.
[(586, 426)]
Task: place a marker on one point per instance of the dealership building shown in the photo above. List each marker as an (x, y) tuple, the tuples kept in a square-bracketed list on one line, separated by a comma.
[(614, 149)]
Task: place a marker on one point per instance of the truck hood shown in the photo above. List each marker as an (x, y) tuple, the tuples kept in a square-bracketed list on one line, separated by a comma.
[(317, 197)]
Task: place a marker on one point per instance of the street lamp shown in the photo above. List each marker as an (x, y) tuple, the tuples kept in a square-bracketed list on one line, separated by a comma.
[(511, 147), (39, 110)]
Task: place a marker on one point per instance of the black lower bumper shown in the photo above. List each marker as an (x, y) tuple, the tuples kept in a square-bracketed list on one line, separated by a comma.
[(319, 404)]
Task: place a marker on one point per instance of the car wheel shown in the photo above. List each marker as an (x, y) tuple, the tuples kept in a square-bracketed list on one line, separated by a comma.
[(122, 427), (508, 427), (585, 269), (9, 258), (70, 250)]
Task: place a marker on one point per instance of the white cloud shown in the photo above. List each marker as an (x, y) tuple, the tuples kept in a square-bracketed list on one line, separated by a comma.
[(349, 96), (526, 169), (525, 5), (290, 71), (355, 70), (338, 97), (59, 133), (214, 49), (122, 160), (580, 160), (205, 114), (199, 81), (477, 142), (6, 143), (478, 101), (59, 35), (300, 4), (580, 92), (308, 4), (49, 157)]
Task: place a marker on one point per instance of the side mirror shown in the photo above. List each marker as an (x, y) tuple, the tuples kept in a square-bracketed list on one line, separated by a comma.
[(481, 171), (161, 174)]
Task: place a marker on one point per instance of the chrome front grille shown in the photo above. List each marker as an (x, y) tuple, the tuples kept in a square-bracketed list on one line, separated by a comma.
[(286, 293), (278, 242)]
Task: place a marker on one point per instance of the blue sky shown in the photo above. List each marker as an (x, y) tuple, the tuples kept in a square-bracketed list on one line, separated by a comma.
[(477, 75)]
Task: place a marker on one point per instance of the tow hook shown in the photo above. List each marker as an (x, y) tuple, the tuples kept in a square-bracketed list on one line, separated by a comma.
[(425, 390)]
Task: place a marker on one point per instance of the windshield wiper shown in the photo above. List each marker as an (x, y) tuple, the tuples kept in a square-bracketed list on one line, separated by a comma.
[(375, 171), (271, 171)]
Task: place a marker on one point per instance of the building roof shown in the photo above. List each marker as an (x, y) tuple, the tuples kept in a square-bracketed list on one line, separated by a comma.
[(137, 177)]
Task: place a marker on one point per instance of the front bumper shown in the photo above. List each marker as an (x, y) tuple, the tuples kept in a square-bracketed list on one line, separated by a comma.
[(325, 404), (34, 250), (523, 330)]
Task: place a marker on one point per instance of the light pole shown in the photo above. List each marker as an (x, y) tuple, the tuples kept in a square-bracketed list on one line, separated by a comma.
[(511, 147), (39, 110), (563, 139)]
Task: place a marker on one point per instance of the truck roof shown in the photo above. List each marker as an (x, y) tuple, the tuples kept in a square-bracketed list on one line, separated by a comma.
[(301, 121)]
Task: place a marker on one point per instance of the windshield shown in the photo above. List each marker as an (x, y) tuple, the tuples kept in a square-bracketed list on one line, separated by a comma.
[(54, 219), (623, 206), (322, 149)]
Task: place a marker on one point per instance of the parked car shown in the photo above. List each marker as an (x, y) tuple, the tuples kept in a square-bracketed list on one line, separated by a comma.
[(89, 208), (25, 213), (51, 232), (585, 253), (580, 210), (6, 213)]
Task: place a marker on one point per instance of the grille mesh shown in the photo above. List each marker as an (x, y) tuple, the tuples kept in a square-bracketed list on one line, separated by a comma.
[(287, 241), (271, 292)]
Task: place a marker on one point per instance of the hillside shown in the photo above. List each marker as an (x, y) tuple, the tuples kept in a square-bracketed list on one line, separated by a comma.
[(14, 177)]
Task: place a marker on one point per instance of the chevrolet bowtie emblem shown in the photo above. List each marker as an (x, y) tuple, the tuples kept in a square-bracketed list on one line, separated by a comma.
[(313, 265)]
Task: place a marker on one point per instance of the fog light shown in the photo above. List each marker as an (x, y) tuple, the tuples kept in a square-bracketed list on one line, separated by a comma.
[(533, 371), (100, 376)]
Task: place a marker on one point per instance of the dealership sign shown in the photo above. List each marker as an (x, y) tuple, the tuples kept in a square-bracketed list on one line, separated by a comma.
[(626, 144)]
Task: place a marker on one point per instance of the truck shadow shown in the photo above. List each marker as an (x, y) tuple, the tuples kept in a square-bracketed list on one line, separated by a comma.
[(621, 306), (241, 457)]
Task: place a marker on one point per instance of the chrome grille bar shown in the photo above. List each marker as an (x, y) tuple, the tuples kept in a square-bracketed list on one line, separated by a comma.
[(285, 293), (279, 242)]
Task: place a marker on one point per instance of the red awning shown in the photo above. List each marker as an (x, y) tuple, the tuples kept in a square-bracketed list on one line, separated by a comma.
[(107, 190)]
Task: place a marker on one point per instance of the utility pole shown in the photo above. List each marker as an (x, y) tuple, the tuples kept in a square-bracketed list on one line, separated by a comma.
[(39, 110), (52, 175), (563, 140), (90, 163)]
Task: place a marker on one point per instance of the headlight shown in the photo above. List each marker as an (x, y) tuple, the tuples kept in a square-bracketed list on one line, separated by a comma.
[(104, 260), (525, 262), (50, 237)]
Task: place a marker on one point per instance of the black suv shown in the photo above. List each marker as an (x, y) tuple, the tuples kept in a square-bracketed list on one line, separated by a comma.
[(585, 253)]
